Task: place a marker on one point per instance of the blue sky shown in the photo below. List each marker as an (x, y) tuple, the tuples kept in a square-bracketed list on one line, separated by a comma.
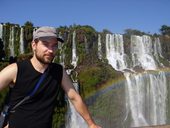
[(114, 15)]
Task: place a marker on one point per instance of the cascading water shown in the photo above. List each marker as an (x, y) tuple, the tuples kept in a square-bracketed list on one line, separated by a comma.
[(62, 54), (115, 51), (99, 47), (11, 42), (74, 55), (1, 31), (4, 31), (61, 50), (157, 50), (142, 52), (74, 120), (22, 41), (147, 98), (146, 92)]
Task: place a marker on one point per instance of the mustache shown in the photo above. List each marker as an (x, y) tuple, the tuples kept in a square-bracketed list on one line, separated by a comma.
[(50, 54)]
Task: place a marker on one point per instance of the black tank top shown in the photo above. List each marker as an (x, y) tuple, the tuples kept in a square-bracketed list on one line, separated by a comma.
[(37, 111)]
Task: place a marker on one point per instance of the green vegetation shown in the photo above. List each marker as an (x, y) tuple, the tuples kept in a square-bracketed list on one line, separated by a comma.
[(165, 30), (93, 74), (92, 78)]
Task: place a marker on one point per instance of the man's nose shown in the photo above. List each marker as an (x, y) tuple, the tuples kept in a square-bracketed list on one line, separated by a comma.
[(52, 48)]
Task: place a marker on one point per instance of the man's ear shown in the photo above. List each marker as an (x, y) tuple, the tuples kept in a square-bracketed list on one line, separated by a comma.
[(33, 44)]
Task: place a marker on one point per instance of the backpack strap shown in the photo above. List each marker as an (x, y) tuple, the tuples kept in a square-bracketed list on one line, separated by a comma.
[(31, 93)]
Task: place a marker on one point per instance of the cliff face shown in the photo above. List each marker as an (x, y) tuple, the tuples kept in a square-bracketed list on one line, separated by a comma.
[(97, 59), (85, 50), (90, 44), (79, 52)]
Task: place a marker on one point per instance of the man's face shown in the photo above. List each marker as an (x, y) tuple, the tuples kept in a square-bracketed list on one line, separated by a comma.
[(45, 49)]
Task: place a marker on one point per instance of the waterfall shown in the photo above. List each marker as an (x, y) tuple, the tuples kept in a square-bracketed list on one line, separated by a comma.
[(21, 40), (115, 51), (62, 54), (61, 51), (11, 42), (147, 98), (146, 92), (99, 47), (74, 55), (4, 32), (1, 31), (157, 50), (74, 120), (142, 52)]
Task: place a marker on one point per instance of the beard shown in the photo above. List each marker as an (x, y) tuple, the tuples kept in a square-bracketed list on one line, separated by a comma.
[(46, 59)]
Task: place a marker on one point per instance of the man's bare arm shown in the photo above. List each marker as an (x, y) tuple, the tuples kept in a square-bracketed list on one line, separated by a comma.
[(8, 76), (77, 101)]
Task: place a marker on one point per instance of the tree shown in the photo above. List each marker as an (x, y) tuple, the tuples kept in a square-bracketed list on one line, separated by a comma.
[(165, 30), (106, 31), (28, 32), (133, 32)]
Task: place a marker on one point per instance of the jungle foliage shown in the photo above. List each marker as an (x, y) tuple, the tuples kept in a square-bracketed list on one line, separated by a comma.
[(93, 73)]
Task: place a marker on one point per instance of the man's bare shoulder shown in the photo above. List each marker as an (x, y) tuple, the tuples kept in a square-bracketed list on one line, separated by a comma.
[(8, 75), (10, 68)]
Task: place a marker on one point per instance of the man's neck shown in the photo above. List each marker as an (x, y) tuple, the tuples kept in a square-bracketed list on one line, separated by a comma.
[(40, 67)]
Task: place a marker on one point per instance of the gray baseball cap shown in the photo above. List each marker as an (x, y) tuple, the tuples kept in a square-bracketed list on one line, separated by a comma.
[(46, 31)]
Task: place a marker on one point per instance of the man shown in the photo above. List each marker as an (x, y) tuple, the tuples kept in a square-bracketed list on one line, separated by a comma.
[(36, 112)]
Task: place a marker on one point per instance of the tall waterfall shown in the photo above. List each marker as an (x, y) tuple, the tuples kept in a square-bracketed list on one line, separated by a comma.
[(74, 120), (22, 40), (145, 85), (11, 42), (1, 31), (146, 92), (99, 47), (115, 51), (74, 55), (62, 54), (142, 52)]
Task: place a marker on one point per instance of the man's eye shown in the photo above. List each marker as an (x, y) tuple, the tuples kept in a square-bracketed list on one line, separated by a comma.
[(55, 46), (45, 43)]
